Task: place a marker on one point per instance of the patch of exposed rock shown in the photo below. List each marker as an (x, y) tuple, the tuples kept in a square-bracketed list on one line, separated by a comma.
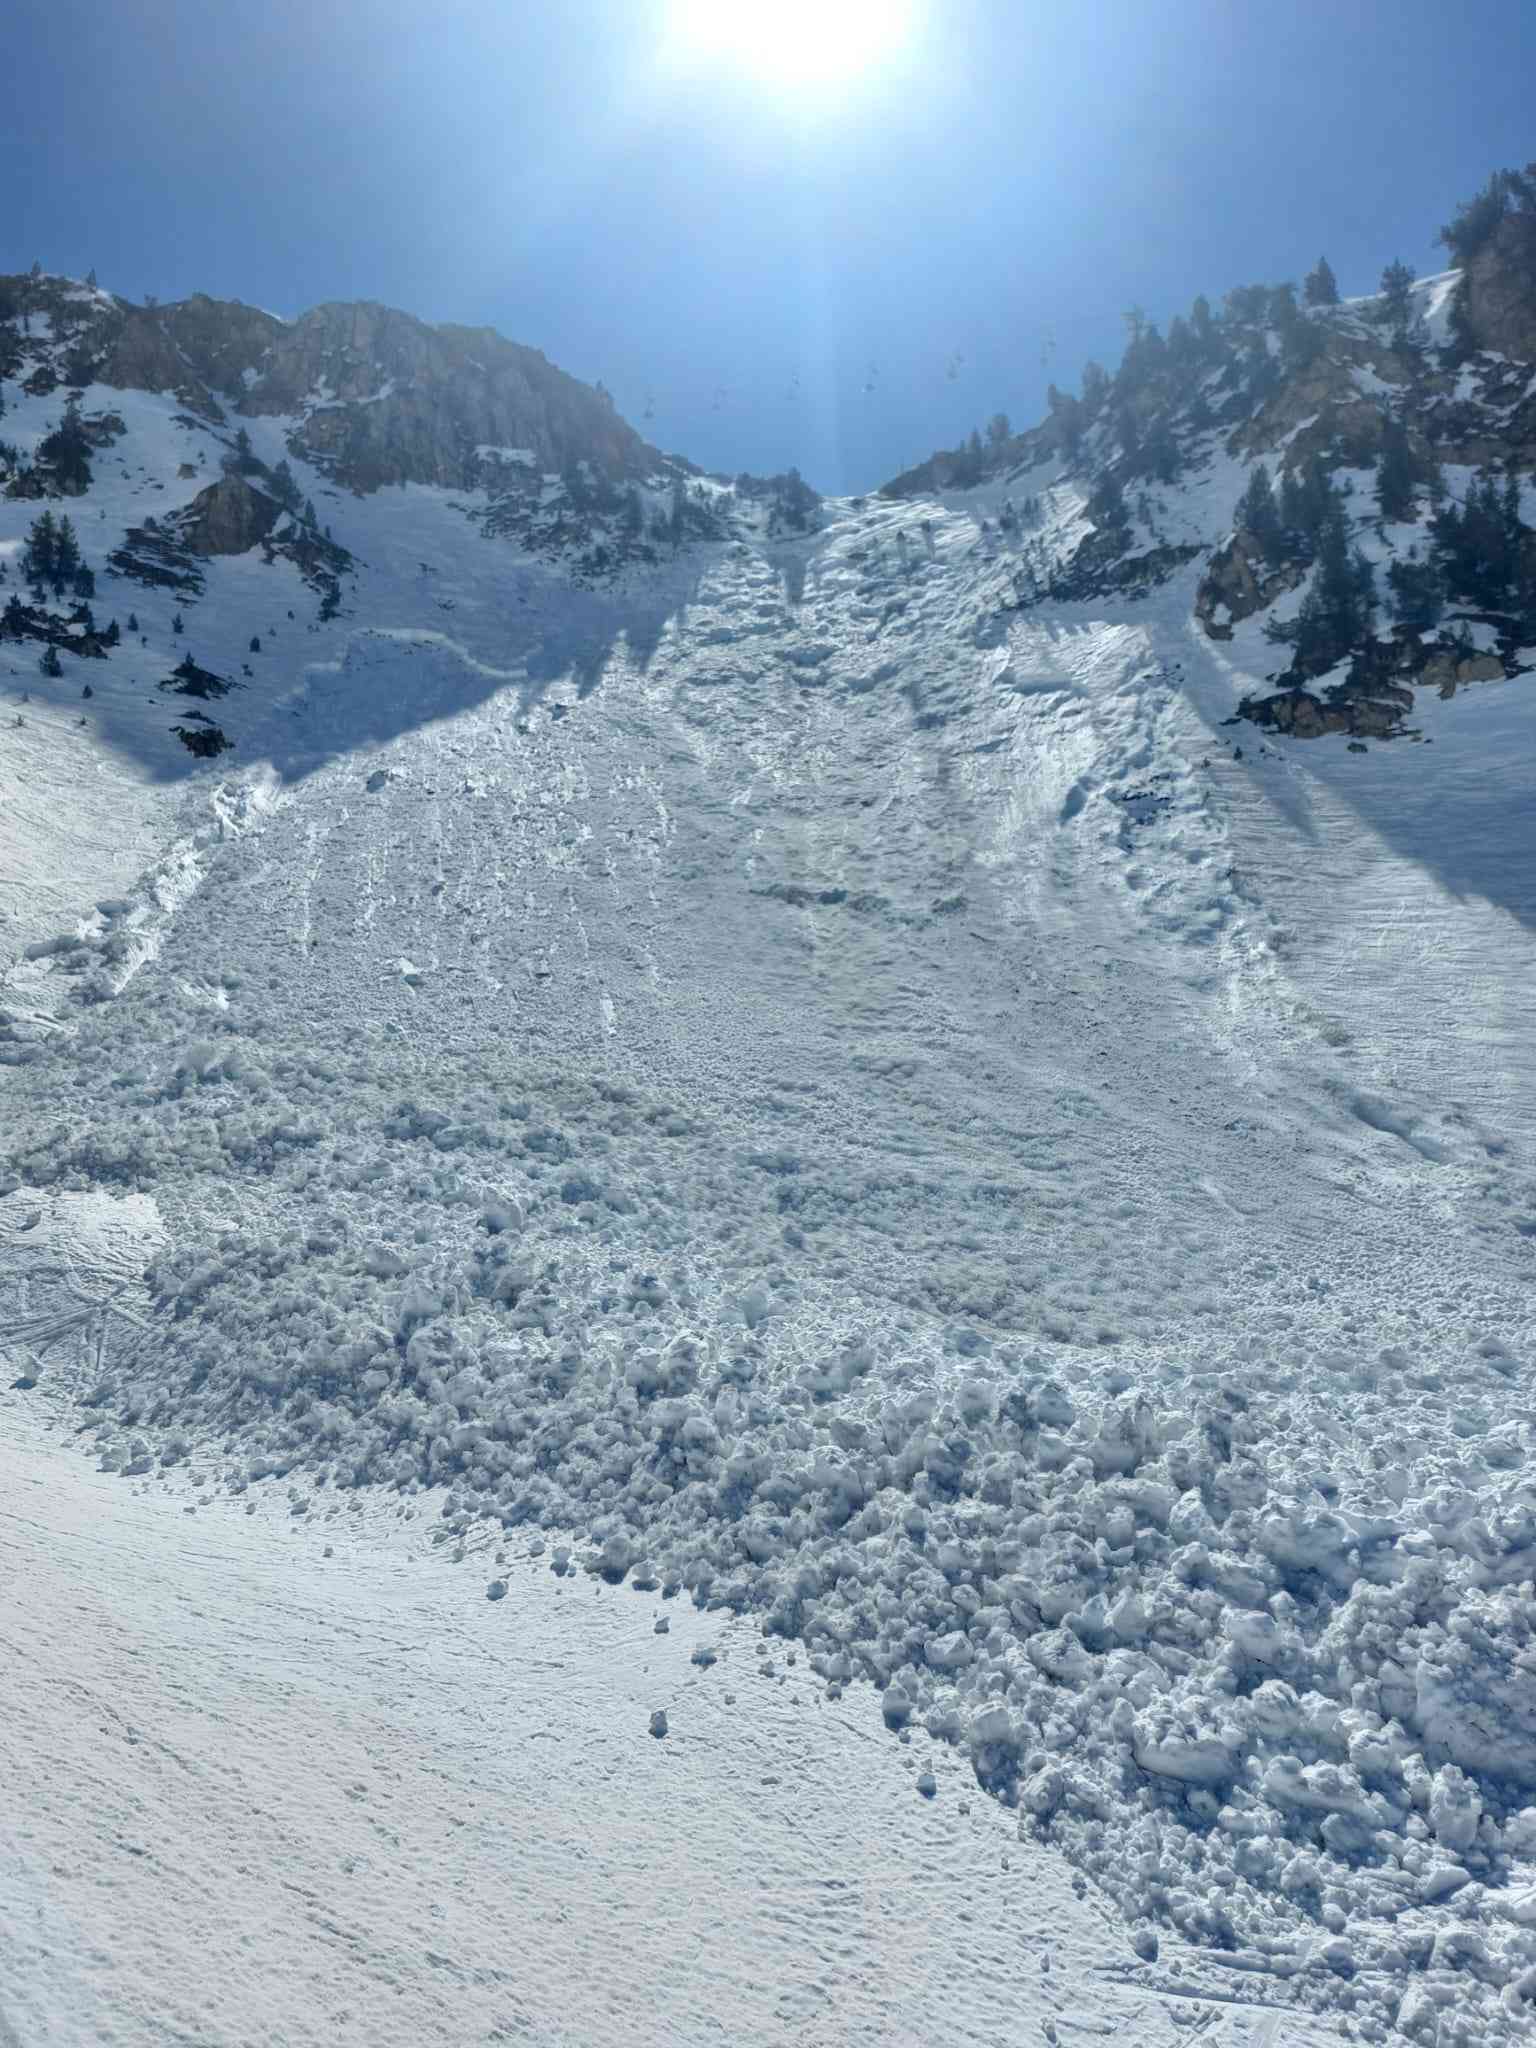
[(1378, 692), (157, 557), (409, 403), (227, 518), (1238, 582)]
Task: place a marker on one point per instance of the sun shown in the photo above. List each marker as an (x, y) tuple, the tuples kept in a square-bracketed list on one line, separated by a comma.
[(793, 42)]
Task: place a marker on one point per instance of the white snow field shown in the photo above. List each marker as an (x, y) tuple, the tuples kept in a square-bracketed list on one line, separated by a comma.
[(824, 1101), (284, 1782)]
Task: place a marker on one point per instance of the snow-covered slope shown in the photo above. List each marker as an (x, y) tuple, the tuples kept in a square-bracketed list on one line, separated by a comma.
[(830, 1093)]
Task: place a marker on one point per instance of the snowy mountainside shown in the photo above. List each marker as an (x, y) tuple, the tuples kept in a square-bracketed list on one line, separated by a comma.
[(824, 1074), (1353, 477)]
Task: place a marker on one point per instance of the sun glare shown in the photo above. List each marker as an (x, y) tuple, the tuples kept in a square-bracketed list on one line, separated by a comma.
[(793, 42)]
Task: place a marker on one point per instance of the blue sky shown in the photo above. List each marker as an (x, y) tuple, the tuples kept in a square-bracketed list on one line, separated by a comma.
[(839, 278)]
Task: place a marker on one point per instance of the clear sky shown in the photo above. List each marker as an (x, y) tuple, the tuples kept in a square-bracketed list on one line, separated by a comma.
[(781, 258)]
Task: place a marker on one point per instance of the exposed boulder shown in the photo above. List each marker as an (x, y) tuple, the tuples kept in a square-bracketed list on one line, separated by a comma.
[(1372, 700), (1303, 716), (227, 518)]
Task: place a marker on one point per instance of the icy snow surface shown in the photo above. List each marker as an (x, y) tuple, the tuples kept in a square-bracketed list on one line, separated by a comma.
[(396, 1813), (840, 1103)]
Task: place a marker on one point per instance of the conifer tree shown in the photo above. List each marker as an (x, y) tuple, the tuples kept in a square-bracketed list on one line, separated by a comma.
[(284, 487), (1095, 385), (1418, 591), (1396, 296), (66, 554), (37, 557), (1321, 287), (1395, 473), (1258, 514), (1339, 608), (67, 452)]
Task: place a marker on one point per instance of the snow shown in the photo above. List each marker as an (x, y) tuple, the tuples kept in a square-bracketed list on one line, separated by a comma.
[(525, 458), (397, 1812), (855, 1116)]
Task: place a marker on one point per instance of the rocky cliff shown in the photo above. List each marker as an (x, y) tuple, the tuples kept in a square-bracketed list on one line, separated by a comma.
[(376, 396)]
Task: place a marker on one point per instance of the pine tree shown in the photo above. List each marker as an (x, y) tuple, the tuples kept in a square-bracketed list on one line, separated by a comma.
[(1418, 592), (1321, 287), (1258, 515), (255, 643), (1396, 296), (309, 512), (1307, 499), (1339, 607), (133, 622), (177, 623), (245, 454), (284, 487), (1095, 385), (50, 665), (1106, 505), (1395, 473), (999, 429), (67, 452), (38, 555), (66, 555)]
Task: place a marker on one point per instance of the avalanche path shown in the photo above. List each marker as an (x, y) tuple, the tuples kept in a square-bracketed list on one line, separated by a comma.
[(877, 1116)]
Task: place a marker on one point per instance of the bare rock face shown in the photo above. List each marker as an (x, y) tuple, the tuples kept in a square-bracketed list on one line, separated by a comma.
[(227, 518), (1378, 691), (198, 345), (407, 403), (1239, 583), (378, 397), (1447, 672), (1307, 717)]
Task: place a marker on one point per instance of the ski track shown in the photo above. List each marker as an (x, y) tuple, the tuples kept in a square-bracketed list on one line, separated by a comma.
[(398, 1812), (875, 1114)]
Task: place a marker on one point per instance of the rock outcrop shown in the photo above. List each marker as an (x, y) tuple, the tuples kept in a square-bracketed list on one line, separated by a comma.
[(378, 397), (1237, 583), (227, 518)]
